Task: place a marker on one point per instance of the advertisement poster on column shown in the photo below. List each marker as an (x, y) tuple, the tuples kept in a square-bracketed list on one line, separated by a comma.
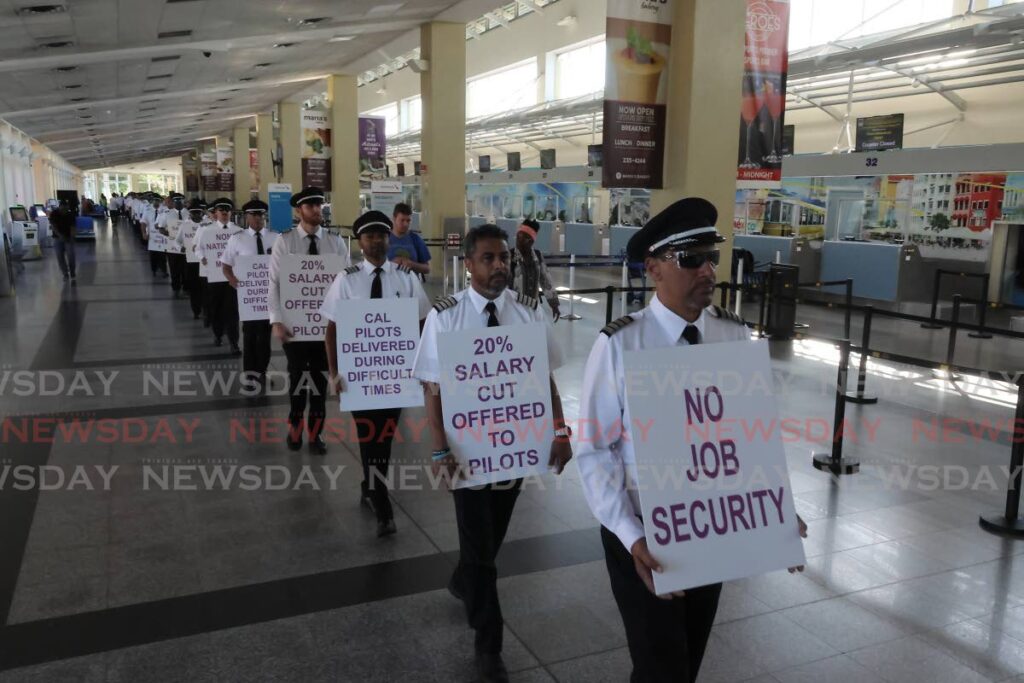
[(254, 170), (208, 167), (316, 148), (190, 169), (372, 147), (226, 170), (763, 102), (638, 37)]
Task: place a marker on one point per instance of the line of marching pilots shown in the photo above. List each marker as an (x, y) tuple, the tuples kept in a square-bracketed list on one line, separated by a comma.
[(667, 634)]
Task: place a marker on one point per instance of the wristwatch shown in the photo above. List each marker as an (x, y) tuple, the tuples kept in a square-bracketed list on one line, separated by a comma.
[(564, 432)]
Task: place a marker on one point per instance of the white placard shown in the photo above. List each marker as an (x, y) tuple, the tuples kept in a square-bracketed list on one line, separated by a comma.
[(213, 244), (714, 487), (304, 281), (377, 342), (253, 273), (496, 401), (188, 237), (172, 246), (157, 241)]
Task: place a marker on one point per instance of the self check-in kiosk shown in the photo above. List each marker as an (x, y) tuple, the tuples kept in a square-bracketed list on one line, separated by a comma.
[(25, 232)]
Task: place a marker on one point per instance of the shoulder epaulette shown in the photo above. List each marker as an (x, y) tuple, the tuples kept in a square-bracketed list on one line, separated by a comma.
[(351, 269), (445, 303), (726, 314), (616, 325), (528, 301), (403, 269)]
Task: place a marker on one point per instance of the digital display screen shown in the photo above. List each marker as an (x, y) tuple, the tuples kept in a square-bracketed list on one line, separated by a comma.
[(18, 213)]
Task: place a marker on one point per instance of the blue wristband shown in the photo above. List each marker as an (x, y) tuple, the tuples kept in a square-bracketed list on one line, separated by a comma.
[(441, 454)]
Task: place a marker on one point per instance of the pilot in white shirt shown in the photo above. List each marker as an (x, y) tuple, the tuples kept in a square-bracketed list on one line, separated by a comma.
[(169, 223), (188, 230), (221, 300)]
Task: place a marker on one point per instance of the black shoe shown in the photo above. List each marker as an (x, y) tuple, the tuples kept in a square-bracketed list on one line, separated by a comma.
[(294, 439), (206, 322), (366, 501), (217, 341), (235, 351), (317, 445), (491, 668), (386, 528), (454, 590), (195, 316)]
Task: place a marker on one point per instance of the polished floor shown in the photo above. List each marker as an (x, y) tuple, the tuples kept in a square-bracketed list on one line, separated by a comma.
[(143, 580)]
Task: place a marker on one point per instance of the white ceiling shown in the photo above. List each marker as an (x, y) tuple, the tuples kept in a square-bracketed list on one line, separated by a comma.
[(140, 96)]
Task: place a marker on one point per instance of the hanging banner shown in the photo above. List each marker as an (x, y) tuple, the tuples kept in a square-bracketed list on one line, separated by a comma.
[(208, 168), (226, 170), (279, 198), (253, 273), (316, 149), (638, 37), (254, 170), (763, 103), (190, 169), (372, 147)]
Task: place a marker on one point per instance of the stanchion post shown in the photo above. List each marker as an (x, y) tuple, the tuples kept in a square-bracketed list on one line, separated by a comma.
[(983, 303), (609, 293), (849, 307), (572, 289), (739, 290), (765, 288), (932, 325), (1008, 522), (455, 273), (624, 285), (834, 462), (953, 328), (862, 372)]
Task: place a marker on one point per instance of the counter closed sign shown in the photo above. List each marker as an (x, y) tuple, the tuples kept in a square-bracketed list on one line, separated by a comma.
[(304, 283), (377, 341), (711, 466), (253, 273), (496, 399)]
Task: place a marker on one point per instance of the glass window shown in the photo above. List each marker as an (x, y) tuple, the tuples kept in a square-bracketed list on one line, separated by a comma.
[(816, 22), (412, 113), (513, 87), (389, 112), (580, 70)]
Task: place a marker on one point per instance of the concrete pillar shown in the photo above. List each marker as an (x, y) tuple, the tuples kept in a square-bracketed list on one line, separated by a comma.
[(344, 103), (443, 88), (291, 143), (241, 140), (265, 152), (705, 77)]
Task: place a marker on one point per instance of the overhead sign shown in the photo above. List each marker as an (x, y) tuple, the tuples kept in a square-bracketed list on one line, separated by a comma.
[(484, 163), (711, 465), (253, 273), (377, 344), (638, 38), (385, 195), (304, 284), (788, 140), (280, 213), (316, 148), (879, 133), (763, 101), (496, 401)]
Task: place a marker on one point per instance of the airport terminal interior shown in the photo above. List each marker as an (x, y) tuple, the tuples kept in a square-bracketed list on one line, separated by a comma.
[(162, 518)]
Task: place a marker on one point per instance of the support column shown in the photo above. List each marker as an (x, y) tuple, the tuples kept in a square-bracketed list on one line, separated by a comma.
[(344, 102), (443, 89), (242, 191), (265, 152), (291, 143), (705, 78)]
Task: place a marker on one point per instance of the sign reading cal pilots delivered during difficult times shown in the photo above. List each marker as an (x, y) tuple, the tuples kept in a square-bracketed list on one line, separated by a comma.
[(711, 467), (377, 342), (304, 283), (212, 248), (157, 241), (253, 273), (496, 398)]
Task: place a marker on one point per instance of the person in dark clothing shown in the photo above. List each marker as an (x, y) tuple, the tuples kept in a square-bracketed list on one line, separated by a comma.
[(62, 223)]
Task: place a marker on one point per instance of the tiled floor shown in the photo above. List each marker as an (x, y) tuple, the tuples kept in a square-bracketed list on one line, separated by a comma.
[(136, 584)]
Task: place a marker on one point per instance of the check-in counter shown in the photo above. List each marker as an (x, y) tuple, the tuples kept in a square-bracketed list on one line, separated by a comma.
[(879, 270), (620, 238), (586, 239), (791, 251), (6, 266), (476, 221)]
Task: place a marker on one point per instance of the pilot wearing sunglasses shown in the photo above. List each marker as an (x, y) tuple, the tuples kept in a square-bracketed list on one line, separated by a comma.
[(678, 247)]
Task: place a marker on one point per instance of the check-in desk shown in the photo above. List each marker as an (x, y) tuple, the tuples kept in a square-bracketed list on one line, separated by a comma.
[(477, 221), (791, 251), (879, 270), (620, 236), (6, 266), (586, 239)]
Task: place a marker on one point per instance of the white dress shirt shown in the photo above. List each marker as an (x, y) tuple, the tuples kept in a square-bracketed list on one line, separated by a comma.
[(468, 313), (604, 453), (186, 239), (244, 244), (214, 273), (296, 241), (356, 284)]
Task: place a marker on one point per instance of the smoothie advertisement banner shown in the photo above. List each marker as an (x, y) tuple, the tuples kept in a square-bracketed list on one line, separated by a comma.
[(316, 148), (208, 168), (638, 37), (763, 102), (372, 147), (226, 170)]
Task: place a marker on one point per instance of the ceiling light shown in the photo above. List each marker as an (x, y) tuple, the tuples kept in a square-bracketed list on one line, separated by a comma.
[(283, 44), (35, 10), (568, 20), (66, 69), (73, 86), (341, 39), (174, 34), (54, 44), (245, 79), (312, 21), (168, 58), (262, 65)]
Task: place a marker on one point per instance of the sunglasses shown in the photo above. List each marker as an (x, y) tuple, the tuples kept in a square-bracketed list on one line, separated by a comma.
[(694, 260)]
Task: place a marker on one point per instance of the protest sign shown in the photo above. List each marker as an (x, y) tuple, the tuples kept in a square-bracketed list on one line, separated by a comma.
[(377, 341), (714, 488), (496, 399), (304, 283), (253, 273), (157, 241), (214, 241)]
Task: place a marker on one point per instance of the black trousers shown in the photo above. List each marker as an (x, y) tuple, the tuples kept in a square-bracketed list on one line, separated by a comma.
[(375, 430), (194, 285), (223, 310), (176, 264), (483, 515), (667, 638), (256, 346), (157, 262), (307, 360)]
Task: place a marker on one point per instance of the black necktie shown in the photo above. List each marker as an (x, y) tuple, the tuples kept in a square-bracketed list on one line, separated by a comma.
[(376, 289), (312, 246), (692, 335), (259, 245), (492, 317)]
